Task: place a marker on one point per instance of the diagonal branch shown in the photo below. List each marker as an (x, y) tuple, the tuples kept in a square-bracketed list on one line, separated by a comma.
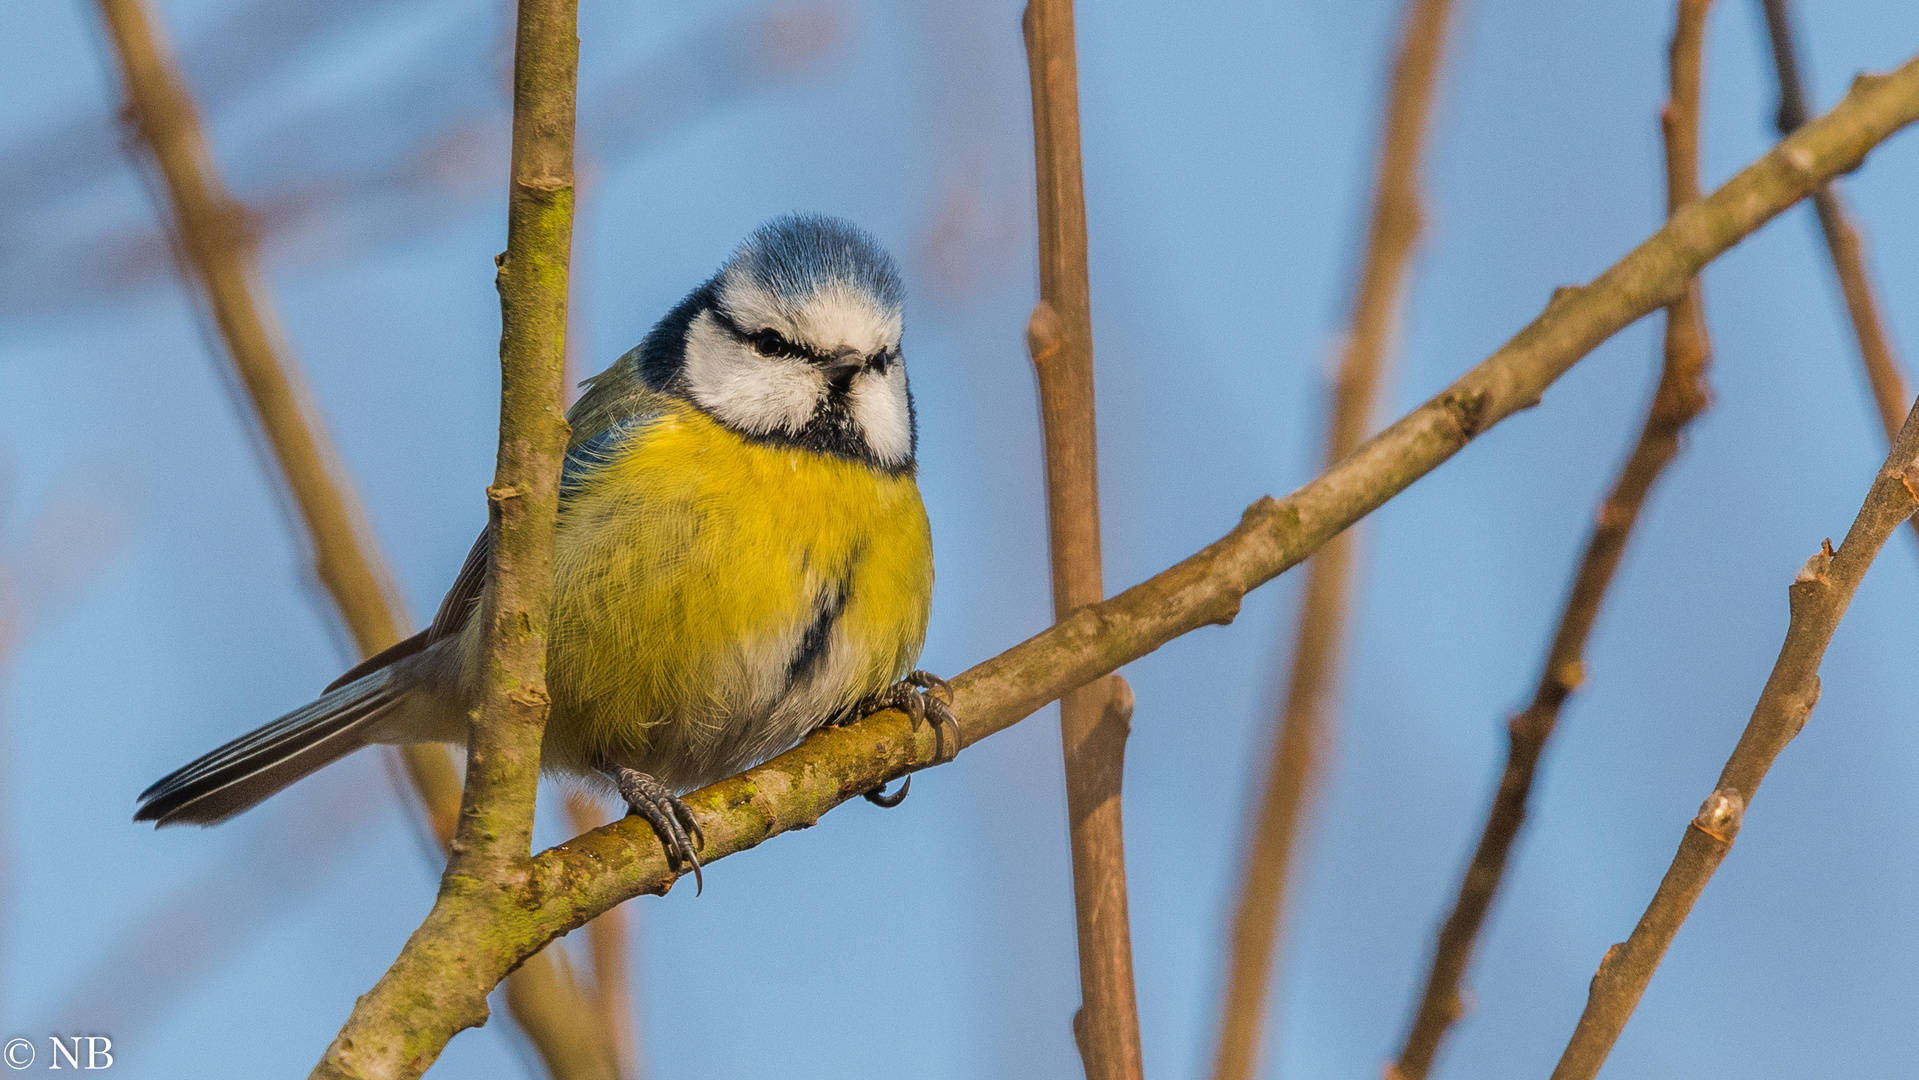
[(1843, 242), (438, 985), (214, 244), (1818, 598), (1094, 718), (1682, 396), (1302, 728)]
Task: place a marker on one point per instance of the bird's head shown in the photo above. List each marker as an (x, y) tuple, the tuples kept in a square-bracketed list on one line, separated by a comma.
[(796, 341)]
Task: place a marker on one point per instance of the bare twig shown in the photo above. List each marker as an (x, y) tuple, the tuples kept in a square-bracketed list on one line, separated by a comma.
[(1301, 728), (438, 986), (1843, 241), (1093, 719), (1682, 396), (211, 234), (1818, 599)]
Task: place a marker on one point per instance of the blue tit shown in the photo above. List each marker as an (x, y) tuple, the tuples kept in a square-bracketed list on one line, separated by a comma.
[(742, 556)]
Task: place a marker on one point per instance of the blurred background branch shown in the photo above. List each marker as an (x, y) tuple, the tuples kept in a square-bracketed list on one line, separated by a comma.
[(1303, 728), (1681, 396), (1884, 375), (406, 152), (215, 248)]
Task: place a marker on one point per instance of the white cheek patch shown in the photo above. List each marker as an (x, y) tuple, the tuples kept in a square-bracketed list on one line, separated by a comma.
[(753, 393), (881, 411)]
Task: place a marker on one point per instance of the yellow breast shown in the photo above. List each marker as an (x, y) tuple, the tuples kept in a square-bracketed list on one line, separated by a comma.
[(717, 598)]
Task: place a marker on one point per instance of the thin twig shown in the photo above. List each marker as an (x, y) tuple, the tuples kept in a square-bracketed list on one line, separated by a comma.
[(1843, 242), (216, 246), (1818, 598), (438, 986), (1681, 397), (1094, 718), (1302, 727)]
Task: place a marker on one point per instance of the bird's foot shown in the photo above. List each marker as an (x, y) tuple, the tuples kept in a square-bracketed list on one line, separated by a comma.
[(679, 833), (923, 697)]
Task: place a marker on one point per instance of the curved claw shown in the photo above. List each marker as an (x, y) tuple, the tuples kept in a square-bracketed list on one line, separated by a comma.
[(879, 797), (926, 680), (679, 832), (941, 714)]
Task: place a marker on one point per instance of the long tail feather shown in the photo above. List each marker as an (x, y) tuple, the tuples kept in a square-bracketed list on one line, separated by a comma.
[(220, 784)]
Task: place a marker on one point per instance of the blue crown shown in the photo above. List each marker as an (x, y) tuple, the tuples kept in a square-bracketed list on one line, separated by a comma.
[(796, 255)]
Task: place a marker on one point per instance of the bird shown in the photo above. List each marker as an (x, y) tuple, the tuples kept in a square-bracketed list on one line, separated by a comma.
[(741, 557)]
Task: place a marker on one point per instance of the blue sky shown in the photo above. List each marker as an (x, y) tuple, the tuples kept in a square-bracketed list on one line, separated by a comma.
[(1227, 150)]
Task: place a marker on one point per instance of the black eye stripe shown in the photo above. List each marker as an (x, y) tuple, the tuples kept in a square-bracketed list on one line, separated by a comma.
[(781, 345)]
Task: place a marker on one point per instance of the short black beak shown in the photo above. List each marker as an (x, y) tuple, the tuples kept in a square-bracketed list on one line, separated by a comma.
[(843, 365)]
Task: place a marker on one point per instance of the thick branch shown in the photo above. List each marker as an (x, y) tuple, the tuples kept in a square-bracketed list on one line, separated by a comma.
[(1060, 337), (446, 972), (1843, 241), (214, 245), (1302, 726), (490, 856), (1818, 598), (1682, 396)]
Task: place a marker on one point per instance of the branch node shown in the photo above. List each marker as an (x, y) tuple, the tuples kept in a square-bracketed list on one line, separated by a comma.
[(498, 494), (1230, 603), (1044, 333), (1719, 817), (1570, 674), (1867, 81), (1799, 164), (1606, 962), (1467, 409), (529, 697), (1816, 566)]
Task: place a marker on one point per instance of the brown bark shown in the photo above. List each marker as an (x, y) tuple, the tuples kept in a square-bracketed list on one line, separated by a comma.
[(1093, 718)]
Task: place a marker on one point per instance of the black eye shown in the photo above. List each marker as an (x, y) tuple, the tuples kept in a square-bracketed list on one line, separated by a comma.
[(769, 343)]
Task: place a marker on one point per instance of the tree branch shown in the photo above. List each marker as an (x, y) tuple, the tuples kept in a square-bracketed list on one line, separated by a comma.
[(1302, 728), (1843, 242), (215, 246), (439, 984), (490, 858), (1818, 598), (1682, 396), (1094, 718)]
